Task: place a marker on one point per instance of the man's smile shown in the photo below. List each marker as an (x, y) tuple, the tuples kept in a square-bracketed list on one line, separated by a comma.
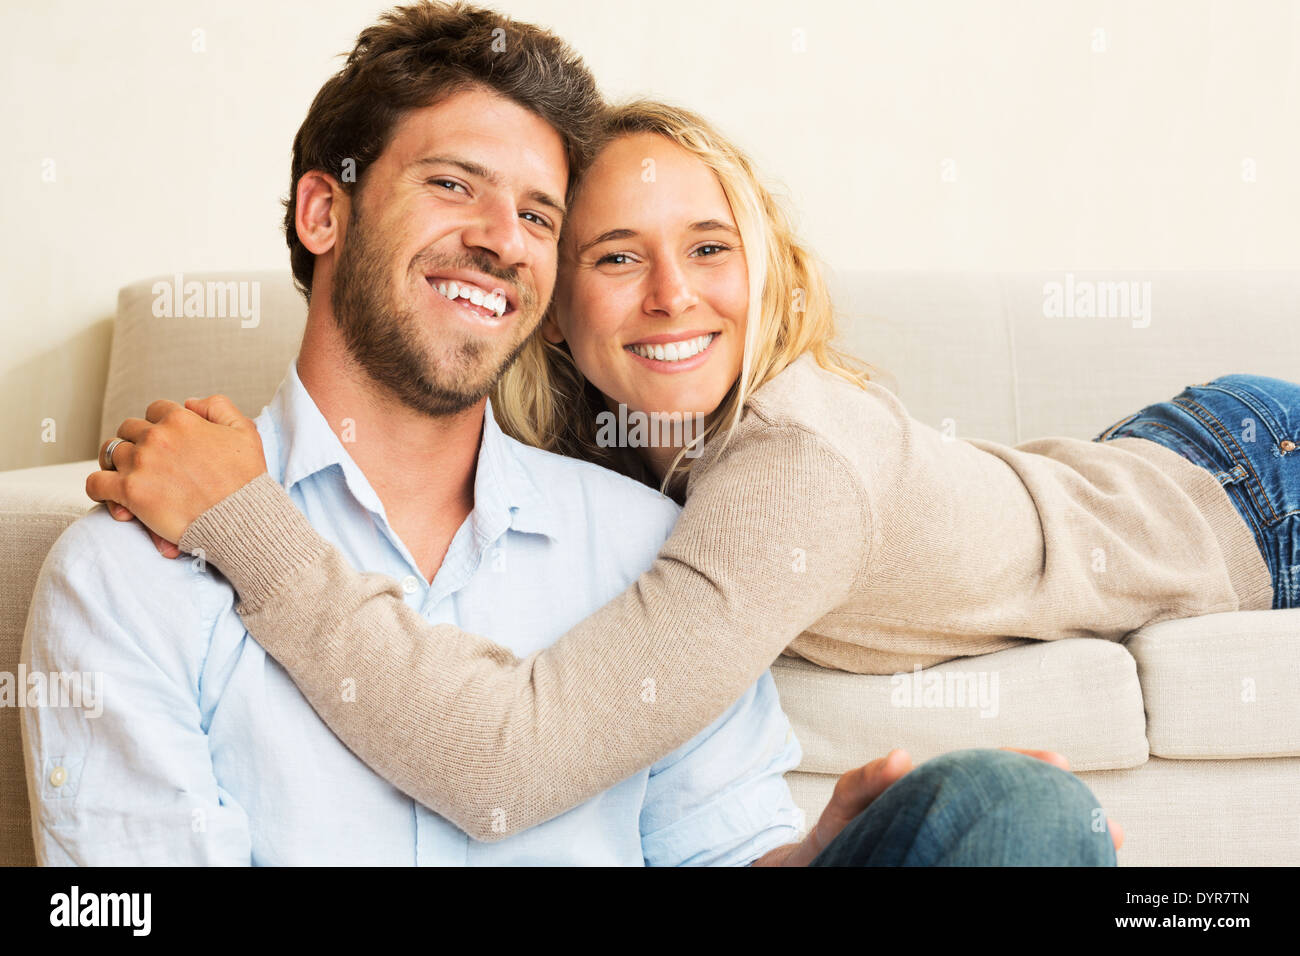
[(472, 297)]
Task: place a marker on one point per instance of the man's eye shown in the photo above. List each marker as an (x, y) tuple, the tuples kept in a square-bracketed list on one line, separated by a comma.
[(540, 220), (449, 184), (613, 259)]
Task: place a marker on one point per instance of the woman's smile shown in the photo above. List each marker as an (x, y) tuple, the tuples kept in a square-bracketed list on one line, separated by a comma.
[(652, 296), (673, 352)]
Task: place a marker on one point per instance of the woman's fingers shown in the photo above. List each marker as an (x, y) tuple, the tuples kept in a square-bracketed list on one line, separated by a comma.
[(123, 455), (108, 486), (133, 430), (104, 486), (218, 409), (177, 463), (159, 409), (165, 547)]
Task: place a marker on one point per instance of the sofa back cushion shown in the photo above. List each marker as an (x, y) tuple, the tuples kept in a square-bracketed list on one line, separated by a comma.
[(1001, 356), (191, 335)]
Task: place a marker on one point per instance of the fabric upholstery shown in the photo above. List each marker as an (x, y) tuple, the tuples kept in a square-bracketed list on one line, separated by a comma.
[(980, 350)]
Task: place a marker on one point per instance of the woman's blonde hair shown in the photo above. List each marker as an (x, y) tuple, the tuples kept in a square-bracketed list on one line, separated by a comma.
[(544, 400)]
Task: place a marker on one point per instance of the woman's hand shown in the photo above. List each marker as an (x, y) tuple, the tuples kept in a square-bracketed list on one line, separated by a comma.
[(176, 463), (855, 791)]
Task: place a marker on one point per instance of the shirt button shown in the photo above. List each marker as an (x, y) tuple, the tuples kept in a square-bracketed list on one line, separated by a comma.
[(1288, 445), (58, 777), (409, 584)]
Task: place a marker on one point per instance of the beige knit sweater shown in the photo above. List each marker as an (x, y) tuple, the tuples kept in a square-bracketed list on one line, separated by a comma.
[(833, 526)]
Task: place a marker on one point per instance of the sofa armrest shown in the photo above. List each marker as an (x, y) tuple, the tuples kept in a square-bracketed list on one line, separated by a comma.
[(36, 505)]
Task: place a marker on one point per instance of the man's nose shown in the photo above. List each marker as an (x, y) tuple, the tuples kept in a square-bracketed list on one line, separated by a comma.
[(670, 291), (497, 229)]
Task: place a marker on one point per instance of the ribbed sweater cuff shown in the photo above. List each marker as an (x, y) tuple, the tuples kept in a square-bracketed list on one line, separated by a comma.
[(257, 538), (1247, 568)]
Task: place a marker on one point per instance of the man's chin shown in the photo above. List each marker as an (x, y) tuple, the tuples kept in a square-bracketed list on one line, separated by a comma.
[(450, 386)]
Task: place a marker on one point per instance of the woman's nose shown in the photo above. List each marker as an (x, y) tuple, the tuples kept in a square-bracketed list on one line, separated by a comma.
[(671, 292)]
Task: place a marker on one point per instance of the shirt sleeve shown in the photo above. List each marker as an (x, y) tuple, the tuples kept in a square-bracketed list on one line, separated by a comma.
[(722, 799), (120, 774), (772, 537)]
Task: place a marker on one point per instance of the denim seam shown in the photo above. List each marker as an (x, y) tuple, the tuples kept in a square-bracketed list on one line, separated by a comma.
[(1257, 532), (1250, 401), (1233, 449), (1105, 436), (1169, 428)]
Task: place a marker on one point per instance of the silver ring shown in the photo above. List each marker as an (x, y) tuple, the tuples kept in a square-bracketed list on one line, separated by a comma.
[(108, 453)]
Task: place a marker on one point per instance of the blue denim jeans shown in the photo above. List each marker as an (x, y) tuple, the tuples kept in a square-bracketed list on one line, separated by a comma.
[(1244, 430), (978, 808)]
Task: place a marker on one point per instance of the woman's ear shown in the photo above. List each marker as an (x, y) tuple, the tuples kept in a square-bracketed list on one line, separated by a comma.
[(550, 328)]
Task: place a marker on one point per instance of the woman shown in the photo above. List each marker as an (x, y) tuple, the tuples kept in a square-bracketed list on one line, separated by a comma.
[(820, 519)]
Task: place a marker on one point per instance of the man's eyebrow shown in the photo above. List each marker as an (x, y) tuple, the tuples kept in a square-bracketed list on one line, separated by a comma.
[(704, 225), (489, 176)]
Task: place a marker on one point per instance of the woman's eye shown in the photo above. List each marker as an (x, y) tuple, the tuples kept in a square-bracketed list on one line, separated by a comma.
[(716, 246)]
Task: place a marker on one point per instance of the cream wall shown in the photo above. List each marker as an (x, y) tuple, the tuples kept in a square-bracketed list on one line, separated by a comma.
[(918, 135)]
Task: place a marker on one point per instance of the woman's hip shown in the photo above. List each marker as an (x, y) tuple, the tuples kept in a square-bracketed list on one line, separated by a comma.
[(1245, 430)]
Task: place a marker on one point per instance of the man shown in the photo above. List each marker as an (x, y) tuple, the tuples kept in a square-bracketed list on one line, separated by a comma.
[(461, 132)]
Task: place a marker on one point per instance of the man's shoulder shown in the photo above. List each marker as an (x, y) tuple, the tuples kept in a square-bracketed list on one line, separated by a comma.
[(97, 540), (113, 565), (573, 484)]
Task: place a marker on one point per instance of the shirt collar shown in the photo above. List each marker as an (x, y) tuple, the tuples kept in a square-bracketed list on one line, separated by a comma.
[(505, 493)]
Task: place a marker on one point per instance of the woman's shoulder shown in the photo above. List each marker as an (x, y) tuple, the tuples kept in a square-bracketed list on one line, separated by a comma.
[(807, 418), (846, 416), (801, 385)]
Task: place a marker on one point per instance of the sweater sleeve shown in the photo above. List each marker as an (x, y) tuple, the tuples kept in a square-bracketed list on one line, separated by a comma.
[(773, 536)]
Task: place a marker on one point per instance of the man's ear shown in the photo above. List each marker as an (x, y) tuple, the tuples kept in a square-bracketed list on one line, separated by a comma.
[(320, 211)]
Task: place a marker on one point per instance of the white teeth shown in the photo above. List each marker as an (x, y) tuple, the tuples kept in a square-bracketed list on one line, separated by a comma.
[(495, 301), (673, 351)]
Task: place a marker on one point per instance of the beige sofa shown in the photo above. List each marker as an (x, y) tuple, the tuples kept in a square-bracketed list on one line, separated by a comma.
[(1188, 731)]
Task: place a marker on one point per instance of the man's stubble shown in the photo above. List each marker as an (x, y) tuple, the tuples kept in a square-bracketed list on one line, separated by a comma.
[(387, 342)]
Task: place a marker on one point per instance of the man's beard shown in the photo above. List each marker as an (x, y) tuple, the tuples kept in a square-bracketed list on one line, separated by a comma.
[(387, 341)]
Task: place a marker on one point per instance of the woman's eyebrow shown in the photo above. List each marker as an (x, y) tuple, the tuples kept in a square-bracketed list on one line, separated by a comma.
[(606, 237), (704, 225), (708, 225)]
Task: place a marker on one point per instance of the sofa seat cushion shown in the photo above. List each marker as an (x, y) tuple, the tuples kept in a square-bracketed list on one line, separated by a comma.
[(1079, 697), (1221, 685)]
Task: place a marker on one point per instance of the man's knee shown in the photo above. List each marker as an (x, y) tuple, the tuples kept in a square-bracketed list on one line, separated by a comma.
[(1021, 797)]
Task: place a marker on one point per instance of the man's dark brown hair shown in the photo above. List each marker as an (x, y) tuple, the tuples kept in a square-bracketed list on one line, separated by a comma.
[(415, 56)]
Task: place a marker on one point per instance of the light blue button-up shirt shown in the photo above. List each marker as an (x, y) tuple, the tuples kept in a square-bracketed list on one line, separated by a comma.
[(205, 751)]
